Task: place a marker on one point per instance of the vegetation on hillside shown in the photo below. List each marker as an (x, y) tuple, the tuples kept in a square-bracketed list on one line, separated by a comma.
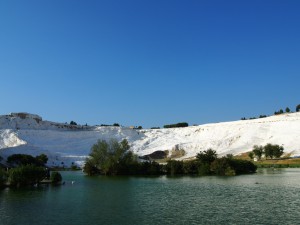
[(269, 151), (26, 170), (183, 124), (114, 158), (280, 111)]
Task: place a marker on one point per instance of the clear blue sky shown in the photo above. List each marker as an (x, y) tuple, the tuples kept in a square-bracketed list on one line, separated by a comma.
[(149, 62)]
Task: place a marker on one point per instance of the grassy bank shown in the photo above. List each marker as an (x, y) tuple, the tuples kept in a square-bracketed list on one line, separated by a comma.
[(285, 162)]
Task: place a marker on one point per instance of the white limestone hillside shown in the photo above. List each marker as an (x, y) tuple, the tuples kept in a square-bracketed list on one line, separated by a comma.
[(64, 144)]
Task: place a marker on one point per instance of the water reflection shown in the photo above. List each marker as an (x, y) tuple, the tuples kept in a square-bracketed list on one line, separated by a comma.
[(267, 197)]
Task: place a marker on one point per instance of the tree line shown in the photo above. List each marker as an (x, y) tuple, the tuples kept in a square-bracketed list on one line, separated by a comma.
[(183, 124), (280, 111), (269, 151), (26, 170), (115, 158)]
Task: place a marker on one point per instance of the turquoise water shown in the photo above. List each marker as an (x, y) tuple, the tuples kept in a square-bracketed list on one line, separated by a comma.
[(268, 197)]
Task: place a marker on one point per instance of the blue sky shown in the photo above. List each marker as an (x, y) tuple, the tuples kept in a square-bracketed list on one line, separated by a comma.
[(149, 63)]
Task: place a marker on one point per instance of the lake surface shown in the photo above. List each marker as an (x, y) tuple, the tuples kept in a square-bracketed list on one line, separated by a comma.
[(268, 197)]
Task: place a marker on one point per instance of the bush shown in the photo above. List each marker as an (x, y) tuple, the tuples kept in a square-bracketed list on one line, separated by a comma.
[(174, 167), (55, 177), (23, 159), (3, 177), (109, 158), (221, 167), (73, 123), (298, 108), (26, 175), (242, 166), (183, 124), (273, 151)]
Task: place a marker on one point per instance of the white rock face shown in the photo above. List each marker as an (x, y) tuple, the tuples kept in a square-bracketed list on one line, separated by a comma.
[(67, 144)]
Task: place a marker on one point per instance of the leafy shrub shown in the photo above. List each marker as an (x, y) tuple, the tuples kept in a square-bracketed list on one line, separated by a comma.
[(26, 175), (24, 159), (174, 167), (55, 177), (3, 177), (73, 123), (183, 124)]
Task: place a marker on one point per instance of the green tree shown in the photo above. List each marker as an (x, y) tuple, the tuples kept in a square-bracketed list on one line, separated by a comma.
[(222, 167), (258, 151), (174, 167), (24, 159), (73, 123), (183, 124), (242, 166), (251, 155), (110, 158), (43, 159), (55, 177), (272, 151), (207, 156), (26, 175), (298, 108), (3, 177), (287, 110)]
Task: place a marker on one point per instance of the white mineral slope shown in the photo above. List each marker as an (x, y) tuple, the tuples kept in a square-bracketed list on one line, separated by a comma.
[(66, 144)]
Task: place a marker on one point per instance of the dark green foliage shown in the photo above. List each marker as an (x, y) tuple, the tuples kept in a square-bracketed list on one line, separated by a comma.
[(251, 155), (262, 116), (278, 112), (174, 167), (3, 177), (221, 166), (190, 167), (229, 166), (269, 150), (108, 125), (110, 158), (148, 168), (258, 151), (298, 108), (26, 175), (272, 151), (243, 118), (287, 109), (207, 156), (55, 177), (204, 169), (155, 128), (113, 158), (73, 123), (242, 166), (43, 159), (90, 168), (23, 159), (183, 124)]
